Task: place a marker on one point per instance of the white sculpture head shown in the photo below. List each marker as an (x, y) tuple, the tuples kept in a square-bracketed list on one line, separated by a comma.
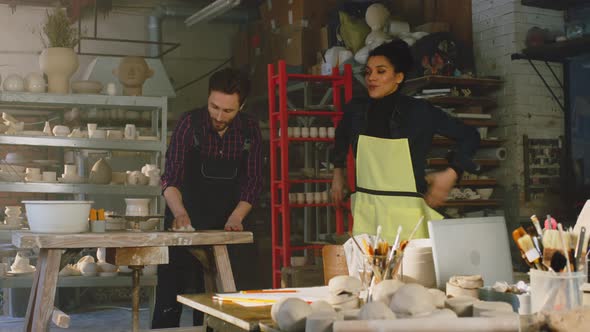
[(376, 16)]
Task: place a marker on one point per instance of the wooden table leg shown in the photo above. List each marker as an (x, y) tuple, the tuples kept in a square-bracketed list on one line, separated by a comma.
[(41, 260), (225, 277), (43, 307), (135, 296)]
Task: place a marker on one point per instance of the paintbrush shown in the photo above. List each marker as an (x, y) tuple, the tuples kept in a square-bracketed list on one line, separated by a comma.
[(406, 242), (392, 253), (527, 248), (377, 236), (537, 225)]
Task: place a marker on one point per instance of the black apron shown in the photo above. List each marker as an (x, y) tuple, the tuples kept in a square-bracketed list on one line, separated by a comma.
[(211, 186)]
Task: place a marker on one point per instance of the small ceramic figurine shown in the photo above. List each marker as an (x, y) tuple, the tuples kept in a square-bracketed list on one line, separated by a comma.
[(132, 72)]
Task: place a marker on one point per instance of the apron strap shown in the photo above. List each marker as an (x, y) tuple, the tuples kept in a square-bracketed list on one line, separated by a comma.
[(388, 193)]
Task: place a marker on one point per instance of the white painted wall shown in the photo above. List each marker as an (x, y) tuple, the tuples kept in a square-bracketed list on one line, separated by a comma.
[(203, 47), (525, 105)]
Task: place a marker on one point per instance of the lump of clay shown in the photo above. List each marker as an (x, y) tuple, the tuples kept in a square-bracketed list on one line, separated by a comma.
[(438, 297), (344, 301), (21, 264), (461, 305), (375, 310), (322, 306), (101, 173), (345, 284), (320, 321), (384, 290), (290, 314), (412, 299), (442, 313)]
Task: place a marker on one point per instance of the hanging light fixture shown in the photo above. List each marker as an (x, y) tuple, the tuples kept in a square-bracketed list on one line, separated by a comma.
[(213, 10)]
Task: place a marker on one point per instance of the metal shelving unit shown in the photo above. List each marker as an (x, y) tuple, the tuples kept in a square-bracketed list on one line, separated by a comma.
[(280, 110), (23, 103)]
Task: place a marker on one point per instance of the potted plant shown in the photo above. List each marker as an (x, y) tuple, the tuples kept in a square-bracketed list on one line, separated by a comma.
[(58, 60)]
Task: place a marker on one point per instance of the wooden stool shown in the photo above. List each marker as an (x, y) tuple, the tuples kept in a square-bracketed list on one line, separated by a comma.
[(334, 262)]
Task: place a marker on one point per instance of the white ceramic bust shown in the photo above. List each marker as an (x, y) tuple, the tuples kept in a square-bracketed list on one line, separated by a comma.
[(376, 17), (132, 72)]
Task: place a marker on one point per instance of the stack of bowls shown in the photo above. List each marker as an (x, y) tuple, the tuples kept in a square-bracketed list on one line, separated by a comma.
[(418, 263)]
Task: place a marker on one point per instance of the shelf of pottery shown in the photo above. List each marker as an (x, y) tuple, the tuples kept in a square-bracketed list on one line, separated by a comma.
[(542, 166), (466, 99), (55, 144)]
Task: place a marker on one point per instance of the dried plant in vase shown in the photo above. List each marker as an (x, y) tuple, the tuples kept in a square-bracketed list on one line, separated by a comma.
[(58, 60), (58, 31)]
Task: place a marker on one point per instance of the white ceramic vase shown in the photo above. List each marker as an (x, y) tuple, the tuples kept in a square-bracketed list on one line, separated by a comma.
[(59, 64)]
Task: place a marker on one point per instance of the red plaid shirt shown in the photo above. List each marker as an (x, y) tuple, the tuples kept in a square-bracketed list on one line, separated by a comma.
[(229, 146)]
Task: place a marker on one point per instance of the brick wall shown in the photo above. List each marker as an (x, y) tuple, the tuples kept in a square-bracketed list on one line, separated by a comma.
[(525, 105)]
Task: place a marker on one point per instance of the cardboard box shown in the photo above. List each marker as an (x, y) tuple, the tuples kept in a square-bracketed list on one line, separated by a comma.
[(298, 47), (302, 13)]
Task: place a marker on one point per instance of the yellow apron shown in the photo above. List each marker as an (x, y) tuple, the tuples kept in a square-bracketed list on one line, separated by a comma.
[(386, 190)]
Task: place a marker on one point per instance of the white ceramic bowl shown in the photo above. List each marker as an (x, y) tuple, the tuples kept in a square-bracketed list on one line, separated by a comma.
[(34, 82), (58, 216), (485, 193)]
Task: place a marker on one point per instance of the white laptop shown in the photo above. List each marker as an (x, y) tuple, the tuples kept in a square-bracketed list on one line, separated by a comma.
[(471, 246)]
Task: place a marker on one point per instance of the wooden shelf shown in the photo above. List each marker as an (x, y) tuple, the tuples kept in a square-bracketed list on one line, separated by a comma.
[(474, 202), (477, 183), (485, 102), (481, 162), (556, 52), (483, 143), (553, 4), (436, 81)]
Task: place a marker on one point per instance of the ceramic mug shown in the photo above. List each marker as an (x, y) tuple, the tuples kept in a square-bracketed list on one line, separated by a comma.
[(296, 132), (130, 131), (323, 132), (317, 197), (309, 198), (70, 170), (304, 132), (91, 128), (313, 132), (300, 198), (33, 177), (331, 132), (292, 198), (325, 197), (290, 132), (99, 134)]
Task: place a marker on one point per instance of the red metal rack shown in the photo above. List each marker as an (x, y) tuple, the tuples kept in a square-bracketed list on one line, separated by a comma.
[(279, 155)]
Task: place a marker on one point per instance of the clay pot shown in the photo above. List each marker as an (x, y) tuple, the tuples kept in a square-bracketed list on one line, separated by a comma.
[(59, 64), (101, 172)]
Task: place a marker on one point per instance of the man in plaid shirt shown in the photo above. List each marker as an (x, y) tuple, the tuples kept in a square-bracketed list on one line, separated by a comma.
[(213, 176)]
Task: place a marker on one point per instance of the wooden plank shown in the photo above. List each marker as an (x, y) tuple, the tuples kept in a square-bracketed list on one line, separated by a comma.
[(60, 319), (128, 239), (246, 318), (225, 276), (137, 256), (46, 290), (41, 261), (209, 269), (79, 281)]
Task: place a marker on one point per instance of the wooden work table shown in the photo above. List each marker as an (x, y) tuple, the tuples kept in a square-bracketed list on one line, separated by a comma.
[(135, 249)]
